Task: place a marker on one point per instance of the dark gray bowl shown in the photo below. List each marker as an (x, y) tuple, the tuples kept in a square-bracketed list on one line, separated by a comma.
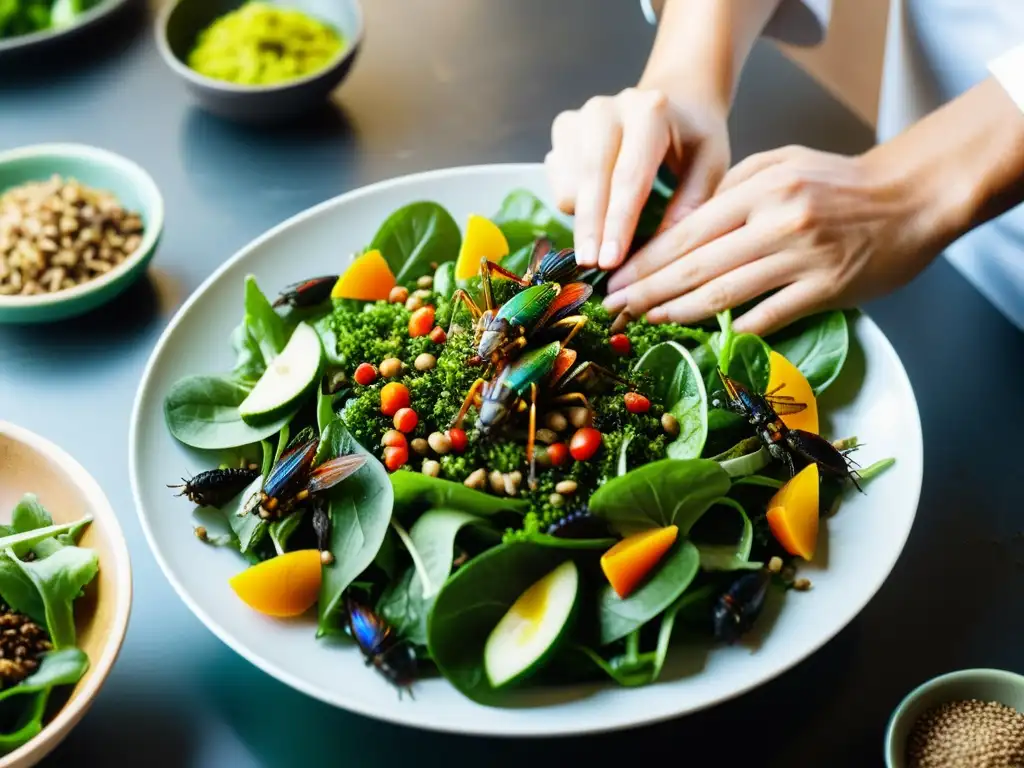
[(180, 23)]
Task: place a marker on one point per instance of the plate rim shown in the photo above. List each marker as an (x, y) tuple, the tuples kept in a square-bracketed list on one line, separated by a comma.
[(522, 729), (43, 36)]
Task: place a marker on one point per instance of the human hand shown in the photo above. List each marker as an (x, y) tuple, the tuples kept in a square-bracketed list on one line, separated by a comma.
[(605, 156), (829, 231)]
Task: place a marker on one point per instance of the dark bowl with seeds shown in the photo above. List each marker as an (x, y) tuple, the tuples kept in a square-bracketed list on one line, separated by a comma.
[(972, 717), (78, 226)]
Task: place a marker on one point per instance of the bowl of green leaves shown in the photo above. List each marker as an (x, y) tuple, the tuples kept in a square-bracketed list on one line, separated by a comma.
[(29, 23), (255, 61), (65, 588)]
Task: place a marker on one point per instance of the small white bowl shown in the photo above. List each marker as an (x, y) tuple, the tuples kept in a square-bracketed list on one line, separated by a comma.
[(31, 464)]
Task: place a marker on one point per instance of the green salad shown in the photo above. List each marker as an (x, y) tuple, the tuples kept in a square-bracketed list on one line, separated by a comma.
[(43, 572), (468, 468), (23, 17)]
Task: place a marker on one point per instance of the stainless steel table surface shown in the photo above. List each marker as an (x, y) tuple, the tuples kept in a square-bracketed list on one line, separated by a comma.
[(453, 82)]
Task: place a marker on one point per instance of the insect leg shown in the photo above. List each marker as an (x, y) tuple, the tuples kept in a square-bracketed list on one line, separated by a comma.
[(461, 296), (473, 391), (574, 322), (488, 266), (531, 438)]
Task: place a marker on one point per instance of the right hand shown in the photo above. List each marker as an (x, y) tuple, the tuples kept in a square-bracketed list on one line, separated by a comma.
[(605, 155)]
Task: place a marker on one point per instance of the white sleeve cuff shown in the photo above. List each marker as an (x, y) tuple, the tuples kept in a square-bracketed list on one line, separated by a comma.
[(1008, 70), (797, 22)]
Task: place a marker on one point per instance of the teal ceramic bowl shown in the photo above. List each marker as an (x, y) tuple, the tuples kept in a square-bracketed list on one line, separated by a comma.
[(982, 684), (101, 169)]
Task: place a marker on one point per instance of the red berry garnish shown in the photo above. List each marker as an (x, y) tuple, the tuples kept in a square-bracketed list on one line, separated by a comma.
[(584, 443), (406, 420), (438, 336), (365, 374), (421, 321), (395, 456), (620, 344), (393, 438), (636, 403), (458, 439), (558, 453)]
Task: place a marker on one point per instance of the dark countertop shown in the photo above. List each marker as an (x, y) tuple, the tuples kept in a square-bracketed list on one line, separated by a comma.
[(456, 82)]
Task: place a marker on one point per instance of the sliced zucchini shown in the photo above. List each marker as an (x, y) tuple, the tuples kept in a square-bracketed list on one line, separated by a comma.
[(533, 626), (288, 377)]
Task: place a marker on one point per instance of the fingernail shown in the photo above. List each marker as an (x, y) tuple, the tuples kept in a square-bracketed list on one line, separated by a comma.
[(657, 315), (614, 302), (586, 254), (609, 254)]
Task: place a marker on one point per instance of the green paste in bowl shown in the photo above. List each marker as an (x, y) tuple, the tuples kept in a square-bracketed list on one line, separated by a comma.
[(264, 44)]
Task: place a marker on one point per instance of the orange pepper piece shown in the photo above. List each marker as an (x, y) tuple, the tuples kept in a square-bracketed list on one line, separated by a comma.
[(785, 380), (793, 513), (286, 585), (627, 563), (368, 278)]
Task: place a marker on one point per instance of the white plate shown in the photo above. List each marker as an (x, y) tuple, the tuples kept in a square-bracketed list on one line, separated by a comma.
[(53, 35), (863, 540)]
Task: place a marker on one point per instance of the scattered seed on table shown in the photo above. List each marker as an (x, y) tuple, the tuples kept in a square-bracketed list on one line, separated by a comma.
[(801, 584), (775, 564)]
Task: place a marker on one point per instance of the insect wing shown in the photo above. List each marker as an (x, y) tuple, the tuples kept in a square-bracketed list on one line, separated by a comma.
[(370, 631), (530, 367), (528, 306), (289, 467), (332, 472), (567, 302), (558, 266), (563, 364), (541, 250)]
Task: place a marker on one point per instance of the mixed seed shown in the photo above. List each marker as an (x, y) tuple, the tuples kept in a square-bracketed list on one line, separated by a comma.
[(967, 734), (22, 642), (57, 234)]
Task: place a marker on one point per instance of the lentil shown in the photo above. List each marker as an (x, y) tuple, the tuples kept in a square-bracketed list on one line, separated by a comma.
[(398, 294), (802, 584), (391, 368), (58, 234), (420, 446), (424, 362), (670, 424), (566, 487), (425, 282), (967, 734)]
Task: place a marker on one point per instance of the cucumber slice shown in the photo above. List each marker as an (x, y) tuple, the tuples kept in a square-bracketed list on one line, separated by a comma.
[(531, 629), (288, 377)]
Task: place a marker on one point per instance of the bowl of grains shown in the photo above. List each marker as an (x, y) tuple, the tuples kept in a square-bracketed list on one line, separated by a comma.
[(973, 718), (65, 591), (78, 225)]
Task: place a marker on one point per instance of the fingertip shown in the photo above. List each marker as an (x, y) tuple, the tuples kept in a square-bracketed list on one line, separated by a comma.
[(657, 315), (610, 256), (586, 253), (615, 302)]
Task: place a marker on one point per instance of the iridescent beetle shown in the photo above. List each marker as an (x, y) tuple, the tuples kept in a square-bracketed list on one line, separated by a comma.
[(381, 646), (293, 479), (307, 293), (736, 609), (762, 413)]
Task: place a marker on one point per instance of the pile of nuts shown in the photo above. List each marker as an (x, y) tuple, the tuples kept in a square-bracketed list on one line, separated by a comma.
[(58, 234)]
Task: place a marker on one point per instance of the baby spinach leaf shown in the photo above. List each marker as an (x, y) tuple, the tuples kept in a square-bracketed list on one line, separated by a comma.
[(617, 616), (250, 528), (29, 723), (472, 602), (666, 492), (406, 603), (675, 381), (747, 464), (518, 261), (415, 236), (324, 327), (60, 579), (415, 492), (748, 362), (249, 365), (817, 346), (202, 411), (360, 511), (728, 557), (62, 667), (29, 514), (264, 324), (282, 530), (324, 409), (705, 355), (524, 218), (444, 279)]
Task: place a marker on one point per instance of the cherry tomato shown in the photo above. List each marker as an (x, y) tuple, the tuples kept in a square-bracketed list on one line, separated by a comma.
[(438, 336), (620, 344), (584, 443), (557, 454), (365, 374), (636, 403), (421, 321), (393, 397), (458, 438), (393, 438), (406, 420), (395, 456)]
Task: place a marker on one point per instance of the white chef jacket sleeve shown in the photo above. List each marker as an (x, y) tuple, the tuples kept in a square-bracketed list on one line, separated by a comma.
[(797, 22), (1008, 70)]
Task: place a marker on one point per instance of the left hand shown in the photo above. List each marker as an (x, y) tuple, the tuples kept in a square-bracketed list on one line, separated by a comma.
[(829, 231)]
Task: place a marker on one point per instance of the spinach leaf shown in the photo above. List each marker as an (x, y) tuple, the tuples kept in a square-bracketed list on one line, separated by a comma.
[(728, 557), (817, 346), (415, 236), (518, 261), (406, 603), (324, 327), (415, 492), (617, 616), (249, 365), (282, 530), (748, 362), (29, 514), (676, 383), (523, 218), (324, 409), (666, 492), (444, 279), (747, 464), (360, 511), (60, 579), (62, 667), (472, 602), (202, 411), (28, 724), (265, 326), (250, 528), (706, 356)]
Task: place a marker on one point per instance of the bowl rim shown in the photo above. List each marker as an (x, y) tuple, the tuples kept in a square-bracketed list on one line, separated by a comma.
[(185, 71), (271, 668), (68, 716), (101, 9), (978, 674), (125, 167)]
